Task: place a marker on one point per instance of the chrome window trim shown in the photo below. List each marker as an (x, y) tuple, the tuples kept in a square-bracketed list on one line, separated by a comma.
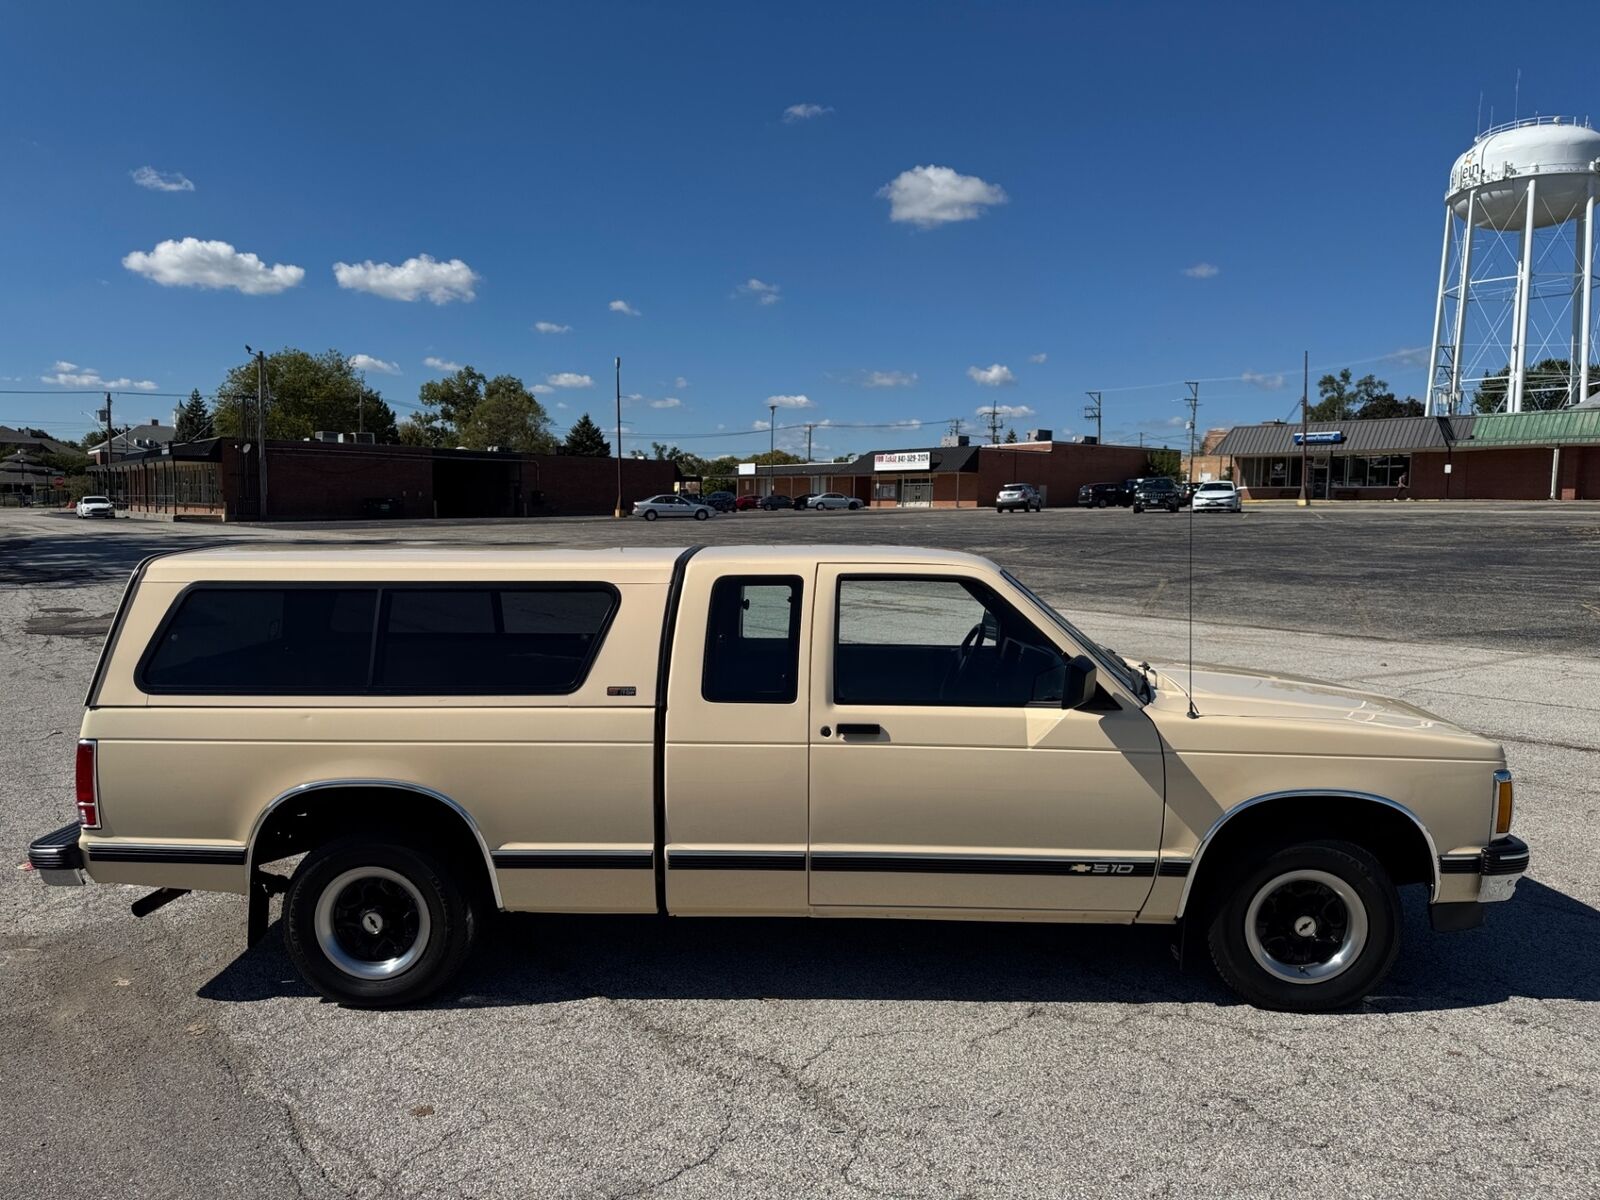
[(1307, 794), (397, 784)]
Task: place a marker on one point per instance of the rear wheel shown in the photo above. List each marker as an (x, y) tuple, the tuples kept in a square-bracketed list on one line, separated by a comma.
[(700, 514), (1312, 927), (376, 924)]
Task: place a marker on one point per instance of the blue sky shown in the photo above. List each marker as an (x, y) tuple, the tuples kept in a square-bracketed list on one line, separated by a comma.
[(1124, 197)]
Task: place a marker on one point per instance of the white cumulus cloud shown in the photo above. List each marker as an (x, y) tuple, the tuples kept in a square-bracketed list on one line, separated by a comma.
[(889, 379), (71, 375), (791, 401), (623, 307), (550, 327), (680, 382), (764, 293), (667, 402), (543, 389), (569, 379), (422, 277), (1037, 359), (1006, 410), (1203, 270), (930, 196), (441, 364), (804, 112), (193, 263), (162, 181), (1265, 382), (994, 375), (365, 362)]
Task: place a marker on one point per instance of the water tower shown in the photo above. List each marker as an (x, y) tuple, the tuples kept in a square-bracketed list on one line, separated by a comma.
[(1516, 275)]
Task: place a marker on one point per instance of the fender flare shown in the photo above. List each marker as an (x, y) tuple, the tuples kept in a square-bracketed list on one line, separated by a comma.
[(323, 785), (1309, 794)]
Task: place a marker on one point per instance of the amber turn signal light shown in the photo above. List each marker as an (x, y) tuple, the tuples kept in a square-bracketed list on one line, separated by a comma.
[(1504, 803)]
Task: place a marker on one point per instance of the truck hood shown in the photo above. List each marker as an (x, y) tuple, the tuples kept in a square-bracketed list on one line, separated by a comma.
[(1237, 693)]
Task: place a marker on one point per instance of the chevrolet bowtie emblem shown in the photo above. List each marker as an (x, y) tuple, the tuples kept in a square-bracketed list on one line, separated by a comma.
[(1080, 868)]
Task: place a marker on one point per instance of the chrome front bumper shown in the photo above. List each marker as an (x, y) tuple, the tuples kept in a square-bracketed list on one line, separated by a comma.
[(1498, 866)]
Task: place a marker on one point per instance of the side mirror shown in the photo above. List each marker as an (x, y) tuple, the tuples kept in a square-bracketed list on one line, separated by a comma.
[(1079, 687)]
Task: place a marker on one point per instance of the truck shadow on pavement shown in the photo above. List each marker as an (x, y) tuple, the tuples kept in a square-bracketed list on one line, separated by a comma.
[(1524, 950)]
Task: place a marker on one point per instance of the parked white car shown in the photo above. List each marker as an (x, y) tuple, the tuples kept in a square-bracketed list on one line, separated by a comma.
[(832, 500), (96, 506), (1221, 496), (672, 506)]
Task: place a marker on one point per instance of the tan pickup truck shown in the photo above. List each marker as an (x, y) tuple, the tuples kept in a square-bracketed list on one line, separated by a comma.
[(826, 731)]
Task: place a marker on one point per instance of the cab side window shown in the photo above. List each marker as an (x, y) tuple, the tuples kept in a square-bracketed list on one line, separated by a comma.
[(918, 640), (753, 640)]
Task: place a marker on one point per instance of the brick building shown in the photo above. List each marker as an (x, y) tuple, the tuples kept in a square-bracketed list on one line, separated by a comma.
[(219, 479), (1496, 456), (952, 476)]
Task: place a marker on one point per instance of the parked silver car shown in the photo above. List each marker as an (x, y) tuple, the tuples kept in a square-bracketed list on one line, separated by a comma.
[(672, 506), (1220, 496), (1019, 495), (832, 500)]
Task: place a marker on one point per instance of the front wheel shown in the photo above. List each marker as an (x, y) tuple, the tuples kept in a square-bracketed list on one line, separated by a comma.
[(854, 504), (376, 924), (650, 514), (1138, 508), (1313, 927)]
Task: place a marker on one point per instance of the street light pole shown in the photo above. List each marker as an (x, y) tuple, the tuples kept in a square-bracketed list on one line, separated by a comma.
[(1305, 403), (618, 512)]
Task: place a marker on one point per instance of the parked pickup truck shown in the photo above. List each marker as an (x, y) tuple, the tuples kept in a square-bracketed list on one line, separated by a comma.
[(809, 731)]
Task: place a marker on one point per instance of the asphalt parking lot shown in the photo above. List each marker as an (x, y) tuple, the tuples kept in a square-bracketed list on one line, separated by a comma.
[(632, 1056)]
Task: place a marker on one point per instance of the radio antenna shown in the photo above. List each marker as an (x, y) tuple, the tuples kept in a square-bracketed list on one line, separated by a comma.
[(1194, 407)]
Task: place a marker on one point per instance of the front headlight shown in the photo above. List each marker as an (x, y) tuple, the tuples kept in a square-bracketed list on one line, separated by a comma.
[(1504, 802)]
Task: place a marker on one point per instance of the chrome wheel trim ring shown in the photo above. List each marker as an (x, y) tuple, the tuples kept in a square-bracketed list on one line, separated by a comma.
[(1350, 948), (336, 952)]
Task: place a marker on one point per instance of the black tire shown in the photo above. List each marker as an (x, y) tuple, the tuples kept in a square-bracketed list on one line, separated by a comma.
[(1173, 507), (1303, 883), (854, 504), (1101, 503), (390, 877), (1138, 508), (701, 514), (650, 514)]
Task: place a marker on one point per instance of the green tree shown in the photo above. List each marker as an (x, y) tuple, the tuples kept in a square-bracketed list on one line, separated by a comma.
[(194, 419), (1011, 436), (449, 403), (509, 416), (1548, 384), (306, 392), (585, 439), (421, 429), (775, 458), (1164, 462)]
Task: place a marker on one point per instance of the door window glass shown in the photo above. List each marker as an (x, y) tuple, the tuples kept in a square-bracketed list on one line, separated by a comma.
[(925, 641), (753, 641)]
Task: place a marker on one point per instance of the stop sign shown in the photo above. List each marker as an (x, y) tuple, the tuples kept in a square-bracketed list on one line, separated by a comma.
[(59, 481)]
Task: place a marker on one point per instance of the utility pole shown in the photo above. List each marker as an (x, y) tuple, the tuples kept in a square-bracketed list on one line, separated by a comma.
[(1193, 402), (955, 427), (261, 430), (617, 514), (110, 450), (810, 425), (994, 424), (1092, 412), (772, 431), (1305, 406)]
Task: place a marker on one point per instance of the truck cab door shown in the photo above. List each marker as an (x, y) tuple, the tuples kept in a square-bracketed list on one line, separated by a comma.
[(946, 778), (735, 753)]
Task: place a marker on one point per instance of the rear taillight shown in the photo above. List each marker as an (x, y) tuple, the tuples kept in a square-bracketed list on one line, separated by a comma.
[(88, 785)]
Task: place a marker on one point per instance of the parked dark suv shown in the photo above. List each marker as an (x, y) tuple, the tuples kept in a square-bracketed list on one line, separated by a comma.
[(1156, 492), (1103, 495)]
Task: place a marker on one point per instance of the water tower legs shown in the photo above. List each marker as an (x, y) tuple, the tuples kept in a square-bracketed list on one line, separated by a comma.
[(1463, 297), (1585, 303), (1519, 317), (1438, 314)]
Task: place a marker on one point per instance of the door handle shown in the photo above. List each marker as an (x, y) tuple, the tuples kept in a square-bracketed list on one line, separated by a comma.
[(860, 730)]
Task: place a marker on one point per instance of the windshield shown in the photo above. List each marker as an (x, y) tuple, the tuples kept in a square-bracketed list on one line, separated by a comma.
[(1106, 659), (95, 500), (1216, 487)]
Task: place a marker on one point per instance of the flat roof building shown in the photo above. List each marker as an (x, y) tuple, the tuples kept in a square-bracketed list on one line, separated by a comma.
[(962, 476), (1553, 455)]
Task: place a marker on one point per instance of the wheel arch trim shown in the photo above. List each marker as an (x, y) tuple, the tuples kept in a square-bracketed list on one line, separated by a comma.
[(370, 784), (1308, 794)]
